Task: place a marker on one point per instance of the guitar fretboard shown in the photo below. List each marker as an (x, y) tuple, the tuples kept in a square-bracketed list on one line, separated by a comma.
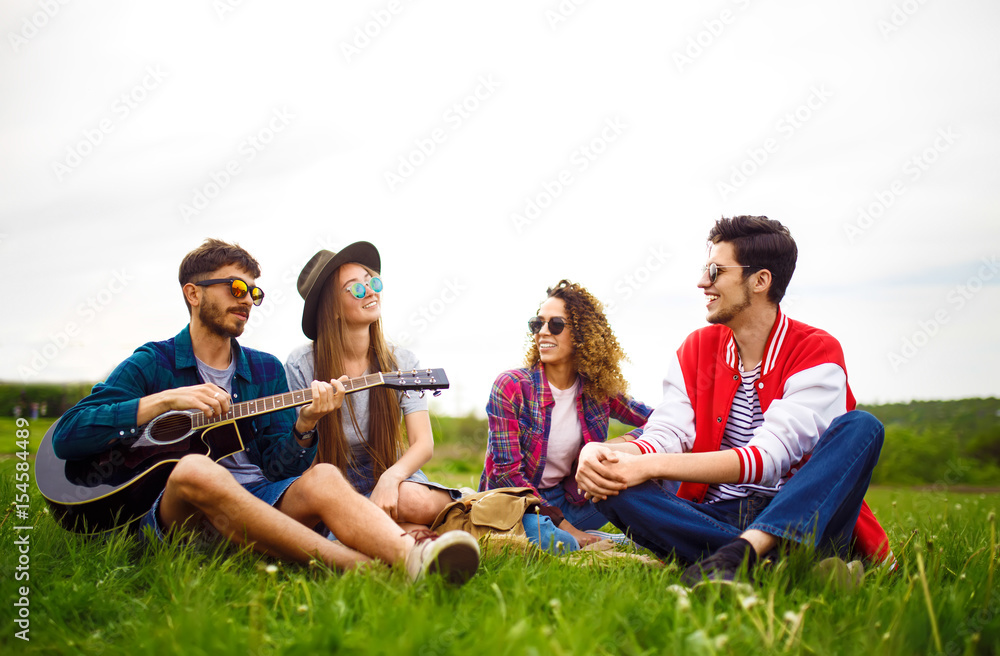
[(279, 401)]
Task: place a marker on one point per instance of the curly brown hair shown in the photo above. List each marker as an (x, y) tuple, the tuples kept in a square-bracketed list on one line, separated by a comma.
[(597, 355)]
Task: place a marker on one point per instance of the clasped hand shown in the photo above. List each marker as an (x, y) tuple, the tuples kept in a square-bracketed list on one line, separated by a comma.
[(604, 472)]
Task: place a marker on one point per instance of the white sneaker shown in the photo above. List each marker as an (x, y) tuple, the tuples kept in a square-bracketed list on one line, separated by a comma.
[(620, 539), (454, 555)]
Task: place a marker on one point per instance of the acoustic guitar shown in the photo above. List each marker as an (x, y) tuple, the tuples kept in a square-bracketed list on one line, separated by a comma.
[(118, 486)]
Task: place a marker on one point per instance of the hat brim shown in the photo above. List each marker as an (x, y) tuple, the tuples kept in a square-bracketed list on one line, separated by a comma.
[(362, 252)]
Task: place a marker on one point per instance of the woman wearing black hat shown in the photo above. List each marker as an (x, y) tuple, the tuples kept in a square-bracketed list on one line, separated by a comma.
[(342, 315)]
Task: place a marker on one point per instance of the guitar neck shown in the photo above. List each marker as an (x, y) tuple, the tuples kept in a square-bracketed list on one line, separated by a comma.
[(281, 401)]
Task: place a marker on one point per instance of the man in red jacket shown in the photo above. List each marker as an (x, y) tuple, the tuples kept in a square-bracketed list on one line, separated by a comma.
[(748, 401)]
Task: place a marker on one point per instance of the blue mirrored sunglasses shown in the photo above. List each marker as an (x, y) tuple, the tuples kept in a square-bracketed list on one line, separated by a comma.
[(357, 290)]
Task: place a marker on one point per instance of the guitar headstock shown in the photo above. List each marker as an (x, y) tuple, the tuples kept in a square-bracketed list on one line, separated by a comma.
[(416, 379)]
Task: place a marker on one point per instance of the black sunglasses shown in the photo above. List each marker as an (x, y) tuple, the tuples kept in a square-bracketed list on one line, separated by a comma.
[(237, 288), (556, 325)]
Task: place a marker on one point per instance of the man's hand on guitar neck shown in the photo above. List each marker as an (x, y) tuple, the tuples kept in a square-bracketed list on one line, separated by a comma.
[(210, 399), (327, 397)]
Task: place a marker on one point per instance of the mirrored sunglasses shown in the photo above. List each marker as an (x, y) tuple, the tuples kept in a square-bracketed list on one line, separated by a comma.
[(237, 288), (357, 290)]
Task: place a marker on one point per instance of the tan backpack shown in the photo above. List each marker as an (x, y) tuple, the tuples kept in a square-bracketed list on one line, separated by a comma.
[(498, 511)]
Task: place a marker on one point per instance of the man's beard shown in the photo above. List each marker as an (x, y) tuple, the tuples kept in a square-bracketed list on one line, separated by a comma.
[(725, 315), (214, 318)]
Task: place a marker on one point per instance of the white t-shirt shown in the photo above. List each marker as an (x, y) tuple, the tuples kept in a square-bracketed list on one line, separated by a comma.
[(565, 437)]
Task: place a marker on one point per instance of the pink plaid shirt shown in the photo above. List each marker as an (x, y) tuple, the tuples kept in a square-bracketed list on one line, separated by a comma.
[(520, 413)]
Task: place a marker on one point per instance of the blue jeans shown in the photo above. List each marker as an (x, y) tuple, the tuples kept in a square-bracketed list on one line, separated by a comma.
[(543, 532), (818, 506)]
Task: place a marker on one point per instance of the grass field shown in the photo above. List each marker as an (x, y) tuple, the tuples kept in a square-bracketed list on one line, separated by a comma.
[(117, 596)]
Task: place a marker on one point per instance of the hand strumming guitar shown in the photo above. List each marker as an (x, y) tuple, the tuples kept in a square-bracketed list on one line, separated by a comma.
[(210, 399)]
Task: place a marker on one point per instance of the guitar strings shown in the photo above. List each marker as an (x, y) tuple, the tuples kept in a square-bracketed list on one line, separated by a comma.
[(259, 406)]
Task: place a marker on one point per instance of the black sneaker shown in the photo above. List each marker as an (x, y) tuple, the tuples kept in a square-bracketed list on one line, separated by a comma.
[(723, 565)]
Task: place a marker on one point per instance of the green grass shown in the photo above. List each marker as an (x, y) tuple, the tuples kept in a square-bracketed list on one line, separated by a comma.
[(117, 596), (8, 433)]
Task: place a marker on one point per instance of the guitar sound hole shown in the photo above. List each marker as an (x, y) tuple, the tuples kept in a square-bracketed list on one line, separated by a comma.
[(170, 428)]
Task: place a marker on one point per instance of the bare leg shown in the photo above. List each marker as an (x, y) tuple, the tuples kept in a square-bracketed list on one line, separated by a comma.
[(420, 504), (762, 542), (322, 494), (198, 487)]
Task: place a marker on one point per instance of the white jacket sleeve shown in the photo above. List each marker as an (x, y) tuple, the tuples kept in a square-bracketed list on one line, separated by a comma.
[(670, 429), (793, 424)]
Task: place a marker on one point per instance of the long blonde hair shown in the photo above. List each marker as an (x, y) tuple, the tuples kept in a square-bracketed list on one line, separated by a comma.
[(384, 441)]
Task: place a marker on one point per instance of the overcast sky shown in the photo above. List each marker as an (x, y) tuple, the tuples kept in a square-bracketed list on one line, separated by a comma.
[(490, 149)]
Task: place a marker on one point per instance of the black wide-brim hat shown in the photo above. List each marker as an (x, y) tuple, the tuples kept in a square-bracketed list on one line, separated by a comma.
[(320, 267)]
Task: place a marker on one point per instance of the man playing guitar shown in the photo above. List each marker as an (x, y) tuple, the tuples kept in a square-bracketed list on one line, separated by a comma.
[(204, 369)]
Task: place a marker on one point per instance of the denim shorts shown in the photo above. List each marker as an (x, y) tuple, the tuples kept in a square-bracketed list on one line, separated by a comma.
[(270, 492), (151, 520), (418, 477)]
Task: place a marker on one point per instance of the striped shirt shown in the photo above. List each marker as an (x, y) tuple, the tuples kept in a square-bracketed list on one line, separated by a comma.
[(745, 416)]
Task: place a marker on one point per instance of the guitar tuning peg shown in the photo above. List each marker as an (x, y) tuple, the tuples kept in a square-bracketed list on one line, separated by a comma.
[(421, 394), (406, 393), (437, 392)]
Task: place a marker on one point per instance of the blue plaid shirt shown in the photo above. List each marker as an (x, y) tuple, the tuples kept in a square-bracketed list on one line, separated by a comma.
[(109, 413)]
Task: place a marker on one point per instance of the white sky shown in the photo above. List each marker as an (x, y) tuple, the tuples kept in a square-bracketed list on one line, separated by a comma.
[(627, 122)]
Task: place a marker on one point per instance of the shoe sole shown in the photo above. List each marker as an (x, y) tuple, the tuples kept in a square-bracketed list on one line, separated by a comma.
[(457, 562)]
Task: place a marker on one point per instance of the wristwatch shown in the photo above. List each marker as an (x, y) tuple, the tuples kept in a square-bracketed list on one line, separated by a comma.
[(309, 435)]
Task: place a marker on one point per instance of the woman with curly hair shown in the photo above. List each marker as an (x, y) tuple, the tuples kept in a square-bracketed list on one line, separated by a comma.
[(542, 415)]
